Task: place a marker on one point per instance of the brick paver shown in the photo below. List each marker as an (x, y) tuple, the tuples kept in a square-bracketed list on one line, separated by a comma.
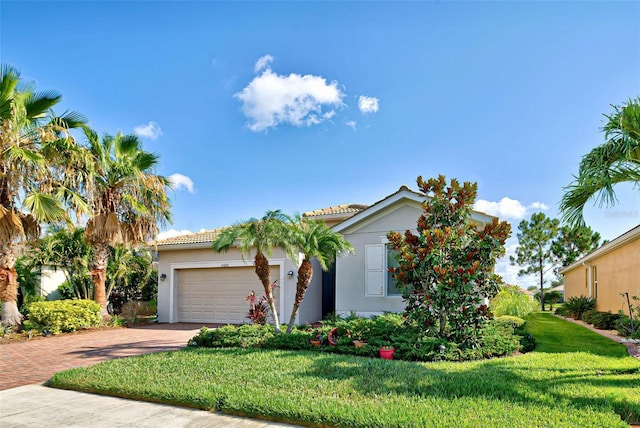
[(35, 361)]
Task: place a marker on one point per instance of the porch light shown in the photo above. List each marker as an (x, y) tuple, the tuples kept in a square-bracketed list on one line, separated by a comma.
[(163, 276), (290, 274)]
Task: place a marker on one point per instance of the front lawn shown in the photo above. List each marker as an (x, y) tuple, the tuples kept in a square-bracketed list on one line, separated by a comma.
[(318, 389)]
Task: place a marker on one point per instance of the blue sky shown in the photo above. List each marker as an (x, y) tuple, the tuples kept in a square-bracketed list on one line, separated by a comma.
[(302, 105)]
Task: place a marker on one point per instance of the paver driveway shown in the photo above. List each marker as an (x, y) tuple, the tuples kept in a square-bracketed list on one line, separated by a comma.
[(35, 361)]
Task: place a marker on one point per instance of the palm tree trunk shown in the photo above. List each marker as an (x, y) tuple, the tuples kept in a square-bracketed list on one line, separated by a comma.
[(262, 270), (9, 286), (99, 275), (305, 273)]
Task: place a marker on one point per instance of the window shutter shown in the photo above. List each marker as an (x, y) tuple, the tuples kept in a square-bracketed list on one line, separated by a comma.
[(374, 270)]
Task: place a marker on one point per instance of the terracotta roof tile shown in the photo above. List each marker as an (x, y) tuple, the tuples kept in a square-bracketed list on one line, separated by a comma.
[(338, 209), (190, 238)]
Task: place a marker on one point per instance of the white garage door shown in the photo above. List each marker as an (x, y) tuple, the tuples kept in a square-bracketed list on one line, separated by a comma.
[(216, 295)]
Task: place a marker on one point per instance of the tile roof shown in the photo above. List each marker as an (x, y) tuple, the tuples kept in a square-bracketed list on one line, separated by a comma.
[(338, 209), (191, 238)]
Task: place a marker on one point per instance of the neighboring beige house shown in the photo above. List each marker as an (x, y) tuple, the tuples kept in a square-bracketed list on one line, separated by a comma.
[(197, 284), (607, 272)]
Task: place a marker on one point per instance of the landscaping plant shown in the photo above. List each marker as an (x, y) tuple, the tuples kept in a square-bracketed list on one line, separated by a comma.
[(510, 300), (446, 270)]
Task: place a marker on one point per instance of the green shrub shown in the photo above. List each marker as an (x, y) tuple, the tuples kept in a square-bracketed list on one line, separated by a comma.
[(601, 320), (575, 307), (410, 343), (28, 300), (511, 301), (623, 325), (64, 315), (514, 322)]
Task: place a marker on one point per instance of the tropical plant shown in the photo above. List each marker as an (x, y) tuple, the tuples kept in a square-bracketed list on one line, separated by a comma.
[(510, 300), (127, 201), (65, 249), (615, 161), (447, 270), (37, 170), (128, 273), (314, 240), (261, 236), (577, 305), (534, 250)]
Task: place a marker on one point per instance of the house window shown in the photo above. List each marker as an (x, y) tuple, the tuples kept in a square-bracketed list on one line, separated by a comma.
[(586, 278), (391, 287), (594, 277), (378, 280)]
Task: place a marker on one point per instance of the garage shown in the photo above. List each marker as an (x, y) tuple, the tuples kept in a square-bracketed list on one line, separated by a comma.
[(217, 295)]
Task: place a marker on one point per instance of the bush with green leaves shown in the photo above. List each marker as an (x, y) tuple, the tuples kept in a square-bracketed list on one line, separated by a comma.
[(624, 327), (575, 307), (601, 320), (64, 315), (446, 269), (510, 300), (498, 338)]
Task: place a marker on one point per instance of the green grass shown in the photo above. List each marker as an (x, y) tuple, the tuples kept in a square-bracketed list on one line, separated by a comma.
[(555, 335), (539, 389)]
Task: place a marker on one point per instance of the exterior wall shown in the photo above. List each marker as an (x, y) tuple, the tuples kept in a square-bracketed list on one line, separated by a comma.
[(311, 308), (350, 269), (618, 271), (50, 280), (171, 260)]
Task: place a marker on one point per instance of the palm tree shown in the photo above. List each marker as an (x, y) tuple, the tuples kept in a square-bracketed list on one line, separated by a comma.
[(127, 201), (37, 162), (615, 161), (314, 240), (262, 236)]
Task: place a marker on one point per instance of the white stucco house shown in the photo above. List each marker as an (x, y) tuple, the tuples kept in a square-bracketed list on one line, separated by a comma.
[(197, 284)]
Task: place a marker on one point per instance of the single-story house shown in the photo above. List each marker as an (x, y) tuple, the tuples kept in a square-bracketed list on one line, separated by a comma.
[(607, 272), (198, 284)]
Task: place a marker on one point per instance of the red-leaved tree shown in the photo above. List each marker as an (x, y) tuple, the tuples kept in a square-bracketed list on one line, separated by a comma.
[(446, 270)]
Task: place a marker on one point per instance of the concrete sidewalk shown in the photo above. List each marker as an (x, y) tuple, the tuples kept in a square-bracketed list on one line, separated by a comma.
[(41, 406)]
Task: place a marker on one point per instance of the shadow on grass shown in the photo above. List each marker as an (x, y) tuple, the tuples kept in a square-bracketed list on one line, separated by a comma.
[(499, 379)]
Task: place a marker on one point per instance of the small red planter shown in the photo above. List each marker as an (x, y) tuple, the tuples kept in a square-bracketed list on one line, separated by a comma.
[(386, 354)]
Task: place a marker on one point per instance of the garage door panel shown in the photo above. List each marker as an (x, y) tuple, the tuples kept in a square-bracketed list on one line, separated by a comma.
[(217, 295)]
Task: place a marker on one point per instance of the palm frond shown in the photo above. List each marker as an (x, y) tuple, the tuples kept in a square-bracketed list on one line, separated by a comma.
[(45, 208), (37, 105)]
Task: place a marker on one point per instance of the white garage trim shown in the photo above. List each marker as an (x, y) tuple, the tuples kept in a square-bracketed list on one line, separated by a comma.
[(218, 264)]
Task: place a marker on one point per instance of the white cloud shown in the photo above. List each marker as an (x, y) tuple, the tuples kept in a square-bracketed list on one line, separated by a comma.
[(539, 206), (368, 104), (150, 130), (271, 99), (172, 233), (180, 181), (507, 208), (351, 123), (262, 62)]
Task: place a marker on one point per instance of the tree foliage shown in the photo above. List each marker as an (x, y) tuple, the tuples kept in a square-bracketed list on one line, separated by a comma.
[(572, 243), (534, 251), (446, 270), (127, 200), (615, 161), (38, 165), (544, 245), (260, 236), (314, 240)]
